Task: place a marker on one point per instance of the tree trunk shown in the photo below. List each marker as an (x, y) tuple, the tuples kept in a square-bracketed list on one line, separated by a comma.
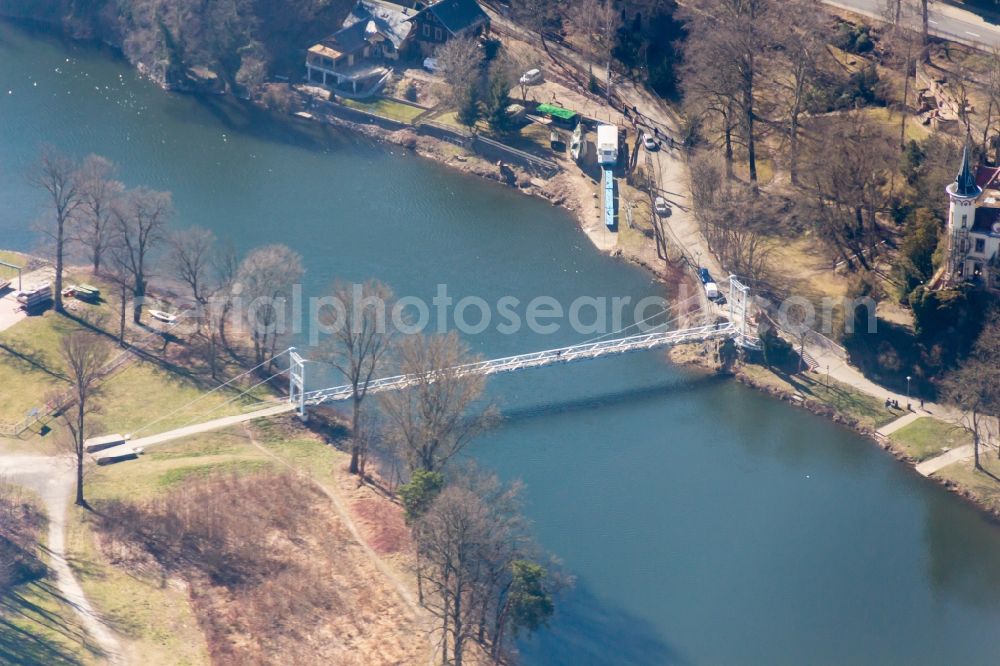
[(79, 452), (355, 445), (60, 242), (925, 54), (140, 293), (751, 144), (121, 315), (906, 94), (793, 146)]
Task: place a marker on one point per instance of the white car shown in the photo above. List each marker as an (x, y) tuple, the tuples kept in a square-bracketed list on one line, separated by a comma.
[(531, 77), (432, 65), (661, 207), (649, 143)]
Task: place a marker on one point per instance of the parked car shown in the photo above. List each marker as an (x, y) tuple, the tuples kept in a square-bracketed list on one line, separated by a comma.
[(433, 66), (661, 207), (531, 78), (649, 143), (704, 275)]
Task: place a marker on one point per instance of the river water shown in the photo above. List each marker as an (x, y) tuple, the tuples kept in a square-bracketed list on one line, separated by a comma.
[(704, 523)]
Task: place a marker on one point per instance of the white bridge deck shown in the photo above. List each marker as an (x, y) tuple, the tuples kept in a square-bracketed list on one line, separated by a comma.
[(734, 328), (538, 359)]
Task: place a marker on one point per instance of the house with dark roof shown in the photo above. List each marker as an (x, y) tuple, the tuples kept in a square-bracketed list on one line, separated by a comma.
[(436, 23), (356, 60), (973, 234)]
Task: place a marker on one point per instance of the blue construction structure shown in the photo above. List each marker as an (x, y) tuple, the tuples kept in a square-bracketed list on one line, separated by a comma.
[(609, 198)]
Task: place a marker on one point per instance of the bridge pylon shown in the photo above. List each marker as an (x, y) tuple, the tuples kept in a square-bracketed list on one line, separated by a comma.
[(297, 382), (739, 311)]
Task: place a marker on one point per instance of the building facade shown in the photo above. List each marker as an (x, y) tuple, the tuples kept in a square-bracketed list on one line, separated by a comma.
[(441, 21), (973, 233), (357, 59)]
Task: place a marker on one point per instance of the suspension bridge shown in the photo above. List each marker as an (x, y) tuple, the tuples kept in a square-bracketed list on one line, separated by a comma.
[(735, 327)]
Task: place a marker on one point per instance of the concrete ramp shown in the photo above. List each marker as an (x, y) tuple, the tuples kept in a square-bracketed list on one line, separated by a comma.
[(132, 448)]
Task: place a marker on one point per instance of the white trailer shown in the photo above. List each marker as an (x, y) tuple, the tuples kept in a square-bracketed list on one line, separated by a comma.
[(607, 144)]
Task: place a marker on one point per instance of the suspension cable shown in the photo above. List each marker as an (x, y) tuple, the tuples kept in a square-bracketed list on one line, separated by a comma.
[(203, 395)]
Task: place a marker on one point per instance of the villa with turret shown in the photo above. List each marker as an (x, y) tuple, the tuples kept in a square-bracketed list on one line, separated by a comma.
[(974, 225)]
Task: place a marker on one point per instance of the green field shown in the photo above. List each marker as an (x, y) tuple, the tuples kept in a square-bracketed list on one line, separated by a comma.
[(868, 411), (138, 393), (927, 437), (385, 107)]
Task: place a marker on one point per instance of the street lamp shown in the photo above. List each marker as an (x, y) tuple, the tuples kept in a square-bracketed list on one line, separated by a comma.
[(908, 391)]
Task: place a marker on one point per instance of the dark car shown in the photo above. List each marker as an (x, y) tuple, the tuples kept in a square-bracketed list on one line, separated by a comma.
[(705, 276)]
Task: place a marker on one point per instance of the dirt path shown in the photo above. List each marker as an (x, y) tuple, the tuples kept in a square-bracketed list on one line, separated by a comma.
[(52, 479)]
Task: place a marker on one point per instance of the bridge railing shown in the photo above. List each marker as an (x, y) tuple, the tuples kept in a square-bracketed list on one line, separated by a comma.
[(538, 359)]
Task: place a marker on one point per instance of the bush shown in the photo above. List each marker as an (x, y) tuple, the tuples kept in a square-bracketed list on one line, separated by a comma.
[(915, 264), (853, 38), (949, 317), (411, 91), (418, 494)]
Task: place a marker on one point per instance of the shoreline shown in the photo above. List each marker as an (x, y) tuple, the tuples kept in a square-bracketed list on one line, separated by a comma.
[(558, 191)]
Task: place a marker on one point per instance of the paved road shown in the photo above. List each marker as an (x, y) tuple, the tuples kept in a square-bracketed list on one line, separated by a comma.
[(945, 21)]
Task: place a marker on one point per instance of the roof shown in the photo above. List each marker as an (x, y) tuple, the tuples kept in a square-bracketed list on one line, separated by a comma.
[(556, 111), (985, 219), (366, 18), (965, 182), (323, 49), (456, 15), (985, 176)]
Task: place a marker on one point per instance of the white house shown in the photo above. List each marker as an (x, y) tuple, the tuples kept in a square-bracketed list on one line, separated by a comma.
[(354, 61), (973, 233)]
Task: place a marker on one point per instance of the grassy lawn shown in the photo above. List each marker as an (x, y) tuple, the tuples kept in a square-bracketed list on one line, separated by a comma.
[(927, 437), (15, 258), (131, 397), (385, 107), (868, 411), (984, 485), (153, 615), (37, 626)]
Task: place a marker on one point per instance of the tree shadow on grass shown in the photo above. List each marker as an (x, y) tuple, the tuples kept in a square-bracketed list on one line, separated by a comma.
[(31, 634), (34, 359)]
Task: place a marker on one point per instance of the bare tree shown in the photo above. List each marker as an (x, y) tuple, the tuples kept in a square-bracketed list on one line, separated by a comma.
[(975, 386), (267, 276), (58, 177), (801, 47), (993, 97), (191, 261), (140, 218), (430, 421), (461, 60), (925, 19), (84, 355), (116, 270), (225, 269), (728, 49), (472, 549), (361, 336), (99, 191), (850, 161), (599, 21)]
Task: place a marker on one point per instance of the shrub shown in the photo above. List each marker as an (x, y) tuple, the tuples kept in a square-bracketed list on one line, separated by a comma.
[(418, 494), (411, 91)]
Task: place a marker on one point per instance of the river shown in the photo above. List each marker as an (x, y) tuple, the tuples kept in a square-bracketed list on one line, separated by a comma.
[(705, 523)]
